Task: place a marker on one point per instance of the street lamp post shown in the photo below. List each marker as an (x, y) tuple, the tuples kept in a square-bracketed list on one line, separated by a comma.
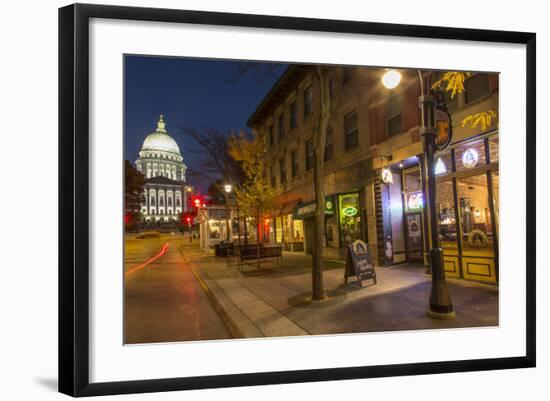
[(227, 188), (441, 306)]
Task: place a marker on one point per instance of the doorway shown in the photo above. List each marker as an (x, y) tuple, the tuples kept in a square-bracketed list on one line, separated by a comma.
[(414, 237)]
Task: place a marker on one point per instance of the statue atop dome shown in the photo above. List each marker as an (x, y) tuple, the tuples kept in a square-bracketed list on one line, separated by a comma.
[(161, 126)]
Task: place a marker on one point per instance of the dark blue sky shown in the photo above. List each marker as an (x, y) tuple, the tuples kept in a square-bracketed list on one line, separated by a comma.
[(188, 92)]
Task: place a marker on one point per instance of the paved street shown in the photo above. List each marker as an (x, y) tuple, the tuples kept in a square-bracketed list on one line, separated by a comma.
[(163, 299), (175, 292)]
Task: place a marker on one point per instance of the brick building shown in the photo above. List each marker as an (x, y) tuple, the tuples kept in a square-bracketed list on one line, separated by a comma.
[(373, 158)]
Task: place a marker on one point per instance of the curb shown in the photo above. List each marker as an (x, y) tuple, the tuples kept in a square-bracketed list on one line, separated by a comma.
[(237, 323), (234, 330)]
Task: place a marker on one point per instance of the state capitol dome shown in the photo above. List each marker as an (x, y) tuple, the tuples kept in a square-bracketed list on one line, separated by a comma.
[(160, 155), (160, 140)]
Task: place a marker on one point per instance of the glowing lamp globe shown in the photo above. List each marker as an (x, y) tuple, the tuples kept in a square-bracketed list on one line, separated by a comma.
[(391, 79)]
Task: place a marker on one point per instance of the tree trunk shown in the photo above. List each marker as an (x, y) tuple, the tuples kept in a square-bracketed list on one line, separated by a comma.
[(226, 198), (239, 227), (258, 238), (245, 231), (322, 74)]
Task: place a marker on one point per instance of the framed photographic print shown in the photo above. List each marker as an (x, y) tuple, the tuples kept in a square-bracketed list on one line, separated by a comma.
[(279, 199)]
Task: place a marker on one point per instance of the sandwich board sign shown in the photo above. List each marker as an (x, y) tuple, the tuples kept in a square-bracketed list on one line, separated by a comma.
[(359, 263)]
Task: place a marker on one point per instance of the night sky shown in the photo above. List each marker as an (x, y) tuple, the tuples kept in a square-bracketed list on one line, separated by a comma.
[(189, 92)]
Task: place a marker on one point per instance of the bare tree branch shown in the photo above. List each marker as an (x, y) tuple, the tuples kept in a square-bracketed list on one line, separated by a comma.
[(261, 71), (215, 163)]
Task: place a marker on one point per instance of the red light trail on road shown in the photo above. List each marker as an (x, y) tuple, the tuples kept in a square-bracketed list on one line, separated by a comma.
[(162, 252)]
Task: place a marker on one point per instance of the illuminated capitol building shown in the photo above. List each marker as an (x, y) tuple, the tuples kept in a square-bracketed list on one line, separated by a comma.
[(161, 163)]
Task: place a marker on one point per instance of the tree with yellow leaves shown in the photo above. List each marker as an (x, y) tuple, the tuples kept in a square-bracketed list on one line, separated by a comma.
[(254, 196), (453, 82)]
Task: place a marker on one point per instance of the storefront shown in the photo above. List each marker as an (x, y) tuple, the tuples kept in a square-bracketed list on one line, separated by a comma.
[(344, 223), (349, 218), (468, 206), (289, 231), (213, 223), (467, 210), (302, 218)]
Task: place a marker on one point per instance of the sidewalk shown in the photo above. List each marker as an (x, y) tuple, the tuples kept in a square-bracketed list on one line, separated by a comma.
[(274, 301)]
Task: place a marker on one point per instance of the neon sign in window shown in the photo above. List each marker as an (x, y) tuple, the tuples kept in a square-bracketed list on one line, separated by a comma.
[(415, 200), (440, 167)]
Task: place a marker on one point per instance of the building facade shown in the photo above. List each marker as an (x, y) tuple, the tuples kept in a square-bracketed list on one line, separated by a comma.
[(373, 162), (161, 163)]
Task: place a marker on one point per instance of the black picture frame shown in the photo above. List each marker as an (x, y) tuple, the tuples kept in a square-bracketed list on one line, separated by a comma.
[(74, 200)]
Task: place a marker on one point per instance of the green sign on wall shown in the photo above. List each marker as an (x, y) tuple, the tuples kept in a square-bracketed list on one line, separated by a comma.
[(307, 210)]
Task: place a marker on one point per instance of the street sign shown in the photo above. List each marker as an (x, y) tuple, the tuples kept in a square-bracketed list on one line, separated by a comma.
[(386, 176), (359, 263), (307, 210)]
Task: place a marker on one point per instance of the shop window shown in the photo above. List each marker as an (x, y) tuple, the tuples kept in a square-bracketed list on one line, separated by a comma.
[(329, 148), (446, 213), (475, 213), (294, 161), (476, 87), (310, 155), (493, 149), (214, 229), (287, 228), (496, 194), (350, 130), (293, 115), (279, 229), (393, 115), (470, 155), (308, 100), (281, 125), (350, 218), (282, 170), (298, 231)]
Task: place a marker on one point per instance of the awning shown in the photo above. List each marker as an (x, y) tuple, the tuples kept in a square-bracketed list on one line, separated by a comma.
[(307, 210), (289, 207)]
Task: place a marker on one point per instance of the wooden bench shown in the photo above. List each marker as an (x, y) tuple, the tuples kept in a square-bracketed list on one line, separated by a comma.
[(250, 252)]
